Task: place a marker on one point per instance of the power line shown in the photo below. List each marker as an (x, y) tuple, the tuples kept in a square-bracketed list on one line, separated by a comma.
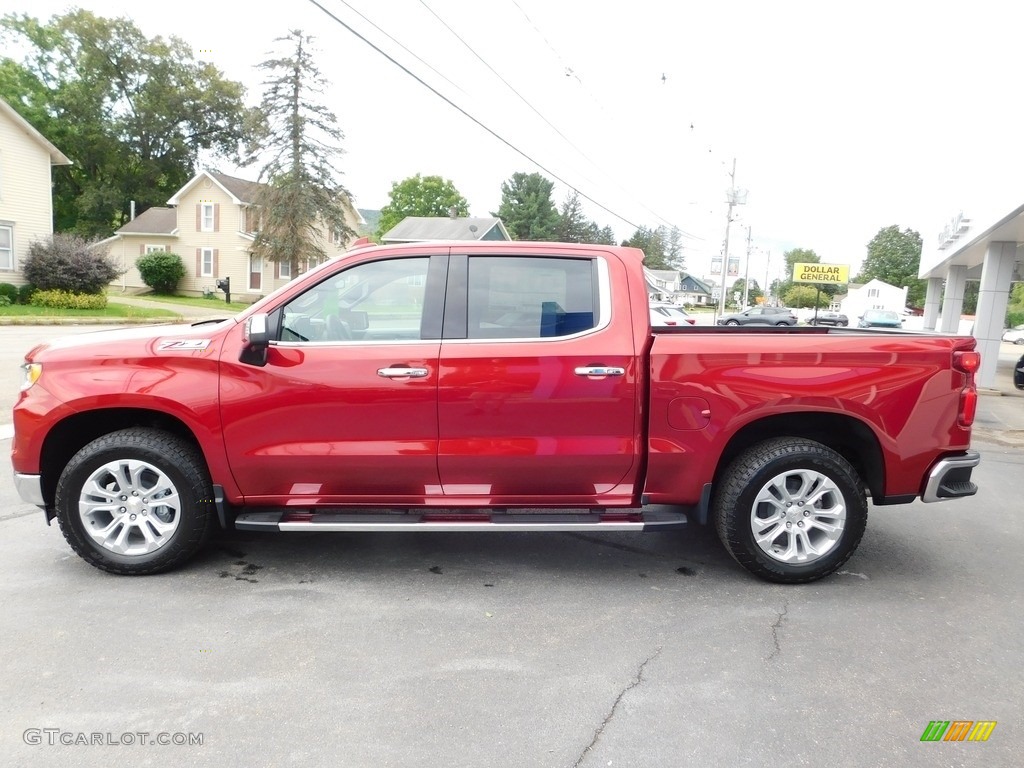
[(466, 114)]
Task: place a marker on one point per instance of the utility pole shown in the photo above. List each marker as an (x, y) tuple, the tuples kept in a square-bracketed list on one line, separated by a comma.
[(746, 278), (733, 197)]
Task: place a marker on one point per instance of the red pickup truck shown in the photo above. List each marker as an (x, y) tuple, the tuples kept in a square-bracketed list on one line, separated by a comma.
[(487, 386)]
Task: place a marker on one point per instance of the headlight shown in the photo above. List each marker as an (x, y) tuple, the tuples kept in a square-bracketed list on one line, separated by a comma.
[(30, 373)]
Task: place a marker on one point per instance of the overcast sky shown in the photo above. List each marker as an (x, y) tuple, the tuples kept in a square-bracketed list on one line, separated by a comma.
[(842, 118)]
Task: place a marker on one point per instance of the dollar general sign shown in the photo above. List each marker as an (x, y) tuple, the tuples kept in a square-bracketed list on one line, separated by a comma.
[(821, 273)]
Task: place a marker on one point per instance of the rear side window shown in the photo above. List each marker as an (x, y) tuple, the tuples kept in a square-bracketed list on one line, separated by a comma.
[(530, 297)]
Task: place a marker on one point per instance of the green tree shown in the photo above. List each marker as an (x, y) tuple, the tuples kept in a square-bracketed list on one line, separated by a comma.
[(653, 243), (526, 209), (674, 249), (132, 113), (421, 196), (894, 257), (299, 142), (573, 225), (800, 295)]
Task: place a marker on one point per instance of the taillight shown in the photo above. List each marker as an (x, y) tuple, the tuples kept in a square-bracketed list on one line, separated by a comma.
[(967, 362)]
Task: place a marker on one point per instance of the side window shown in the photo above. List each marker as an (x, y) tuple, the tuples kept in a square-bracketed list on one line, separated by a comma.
[(373, 301), (530, 297)]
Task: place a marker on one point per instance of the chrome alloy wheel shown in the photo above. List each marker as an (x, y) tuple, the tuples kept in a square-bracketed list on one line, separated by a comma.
[(129, 507), (798, 516)]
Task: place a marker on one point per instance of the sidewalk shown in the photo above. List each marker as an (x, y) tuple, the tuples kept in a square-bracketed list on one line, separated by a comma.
[(187, 312)]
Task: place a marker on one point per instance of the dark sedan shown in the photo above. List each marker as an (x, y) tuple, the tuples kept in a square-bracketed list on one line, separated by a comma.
[(829, 318), (880, 318)]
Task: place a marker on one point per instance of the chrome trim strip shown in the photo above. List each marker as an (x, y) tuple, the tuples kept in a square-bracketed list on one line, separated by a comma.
[(30, 488), (461, 527), (942, 468)]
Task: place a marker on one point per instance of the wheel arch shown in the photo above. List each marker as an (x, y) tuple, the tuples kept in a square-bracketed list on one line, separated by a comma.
[(848, 436), (72, 434)]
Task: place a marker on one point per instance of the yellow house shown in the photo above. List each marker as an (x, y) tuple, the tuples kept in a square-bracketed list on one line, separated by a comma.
[(211, 224), (26, 190)]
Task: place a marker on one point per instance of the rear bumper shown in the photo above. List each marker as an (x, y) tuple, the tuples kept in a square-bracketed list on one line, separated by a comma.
[(950, 478)]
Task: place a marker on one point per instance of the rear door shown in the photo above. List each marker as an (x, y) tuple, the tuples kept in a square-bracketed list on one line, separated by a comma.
[(538, 395)]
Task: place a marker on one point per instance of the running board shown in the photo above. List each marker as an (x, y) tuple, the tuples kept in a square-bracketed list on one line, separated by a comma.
[(458, 523)]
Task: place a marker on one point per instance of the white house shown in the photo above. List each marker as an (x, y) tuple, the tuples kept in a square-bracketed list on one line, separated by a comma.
[(874, 294), (26, 190)]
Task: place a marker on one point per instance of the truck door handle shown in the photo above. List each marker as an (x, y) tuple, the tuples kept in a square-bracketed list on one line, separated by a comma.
[(402, 373), (599, 370)]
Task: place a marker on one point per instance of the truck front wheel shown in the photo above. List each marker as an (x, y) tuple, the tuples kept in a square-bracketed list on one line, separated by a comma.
[(136, 501), (790, 510)]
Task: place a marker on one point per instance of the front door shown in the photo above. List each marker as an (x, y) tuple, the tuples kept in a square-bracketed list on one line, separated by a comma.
[(346, 408)]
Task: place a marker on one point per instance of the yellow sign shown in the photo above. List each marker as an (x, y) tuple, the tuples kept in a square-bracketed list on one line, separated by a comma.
[(821, 273)]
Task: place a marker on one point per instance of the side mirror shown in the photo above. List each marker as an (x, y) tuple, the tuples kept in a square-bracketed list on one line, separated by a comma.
[(255, 340)]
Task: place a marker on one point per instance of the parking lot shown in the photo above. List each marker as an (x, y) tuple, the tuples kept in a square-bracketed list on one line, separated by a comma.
[(522, 649)]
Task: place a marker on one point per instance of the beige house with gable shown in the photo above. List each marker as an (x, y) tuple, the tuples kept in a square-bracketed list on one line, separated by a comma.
[(26, 190), (211, 224)]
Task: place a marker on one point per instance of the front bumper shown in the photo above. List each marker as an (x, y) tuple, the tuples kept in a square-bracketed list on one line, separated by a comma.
[(950, 478), (30, 488)]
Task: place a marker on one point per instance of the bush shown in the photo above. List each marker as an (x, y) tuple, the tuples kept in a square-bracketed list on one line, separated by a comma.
[(68, 263), (161, 271), (25, 293), (10, 292), (68, 300)]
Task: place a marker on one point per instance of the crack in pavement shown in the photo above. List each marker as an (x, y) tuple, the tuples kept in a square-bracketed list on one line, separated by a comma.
[(775, 631), (637, 679)]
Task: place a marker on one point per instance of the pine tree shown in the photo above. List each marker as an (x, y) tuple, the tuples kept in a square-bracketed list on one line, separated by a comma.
[(300, 140)]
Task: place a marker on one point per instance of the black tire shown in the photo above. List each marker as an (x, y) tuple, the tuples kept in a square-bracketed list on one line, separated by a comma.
[(793, 529), (109, 520)]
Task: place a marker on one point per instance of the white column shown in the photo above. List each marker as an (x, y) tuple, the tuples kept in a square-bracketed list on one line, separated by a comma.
[(953, 301), (993, 295), (932, 300)]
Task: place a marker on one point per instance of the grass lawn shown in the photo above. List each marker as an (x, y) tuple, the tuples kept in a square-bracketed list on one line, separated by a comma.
[(115, 311), (214, 305)]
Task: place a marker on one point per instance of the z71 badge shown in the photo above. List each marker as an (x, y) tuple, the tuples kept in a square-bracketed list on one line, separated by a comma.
[(185, 345)]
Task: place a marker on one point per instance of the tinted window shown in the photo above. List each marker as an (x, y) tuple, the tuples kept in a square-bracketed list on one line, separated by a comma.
[(530, 297)]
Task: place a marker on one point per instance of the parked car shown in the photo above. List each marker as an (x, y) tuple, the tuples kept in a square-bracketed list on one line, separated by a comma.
[(670, 314), (760, 316), (829, 318), (880, 318), (1014, 335)]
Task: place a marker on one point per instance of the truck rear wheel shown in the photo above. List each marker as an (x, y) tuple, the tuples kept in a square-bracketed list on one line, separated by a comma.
[(790, 510), (136, 501)]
